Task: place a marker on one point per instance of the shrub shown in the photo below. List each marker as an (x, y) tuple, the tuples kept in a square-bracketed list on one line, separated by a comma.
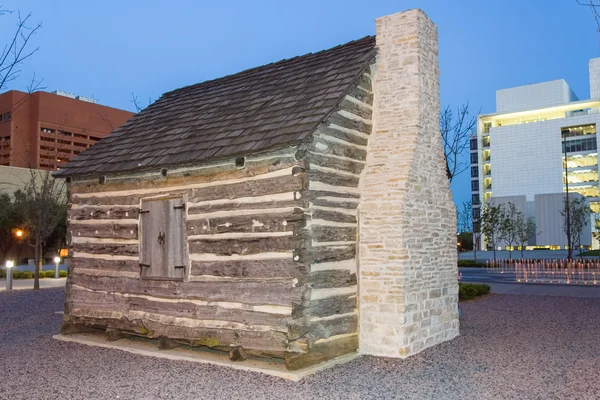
[(62, 274), (468, 291), (470, 264), (47, 274), (22, 275), (2, 273)]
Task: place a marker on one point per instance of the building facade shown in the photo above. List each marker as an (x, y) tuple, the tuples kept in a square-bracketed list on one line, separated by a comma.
[(274, 211), (541, 137), (43, 130)]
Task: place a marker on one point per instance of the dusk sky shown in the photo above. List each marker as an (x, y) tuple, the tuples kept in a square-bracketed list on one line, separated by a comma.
[(110, 49)]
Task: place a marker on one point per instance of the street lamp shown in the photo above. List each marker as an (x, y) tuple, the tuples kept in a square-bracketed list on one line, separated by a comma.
[(56, 261), (19, 233), (9, 265)]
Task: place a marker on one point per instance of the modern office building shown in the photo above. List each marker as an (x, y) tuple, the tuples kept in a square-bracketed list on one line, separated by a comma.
[(520, 151), (42, 130)]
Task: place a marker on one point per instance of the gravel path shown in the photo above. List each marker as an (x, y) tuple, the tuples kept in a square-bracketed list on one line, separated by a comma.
[(511, 347)]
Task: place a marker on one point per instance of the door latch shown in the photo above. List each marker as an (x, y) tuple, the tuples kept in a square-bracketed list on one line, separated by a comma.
[(161, 238)]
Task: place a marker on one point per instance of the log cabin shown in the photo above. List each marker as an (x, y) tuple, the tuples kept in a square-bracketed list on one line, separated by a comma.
[(297, 210)]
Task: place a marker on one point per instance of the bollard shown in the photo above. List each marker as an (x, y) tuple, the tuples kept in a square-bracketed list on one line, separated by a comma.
[(9, 277), (57, 262)]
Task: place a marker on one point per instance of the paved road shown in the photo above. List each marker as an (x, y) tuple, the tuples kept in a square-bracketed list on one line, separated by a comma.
[(22, 284), (45, 267)]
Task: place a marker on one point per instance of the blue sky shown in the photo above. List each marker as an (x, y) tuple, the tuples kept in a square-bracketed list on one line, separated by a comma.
[(110, 49)]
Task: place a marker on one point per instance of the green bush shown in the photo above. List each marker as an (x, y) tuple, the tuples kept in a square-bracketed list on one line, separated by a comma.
[(47, 274), (29, 274), (468, 291), (22, 275), (470, 264)]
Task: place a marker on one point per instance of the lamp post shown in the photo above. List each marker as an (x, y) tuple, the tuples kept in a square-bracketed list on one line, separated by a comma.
[(9, 265), (56, 261)]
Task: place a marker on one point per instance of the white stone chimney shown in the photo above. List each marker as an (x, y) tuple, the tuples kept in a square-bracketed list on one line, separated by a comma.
[(408, 291), (594, 71)]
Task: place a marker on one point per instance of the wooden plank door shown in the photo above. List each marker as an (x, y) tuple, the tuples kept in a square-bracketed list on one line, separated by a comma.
[(162, 239)]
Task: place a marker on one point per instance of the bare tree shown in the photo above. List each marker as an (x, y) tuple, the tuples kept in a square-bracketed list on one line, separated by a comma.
[(136, 103), (477, 234), (42, 204), (508, 226), (525, 228), (491, 222), (578, 212), (465, 217), (456, 131), (9, 221), (17, 49), (594, 6)]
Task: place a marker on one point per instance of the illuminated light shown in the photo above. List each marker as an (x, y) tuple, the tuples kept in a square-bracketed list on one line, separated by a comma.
[(19, 233), (9, 264)]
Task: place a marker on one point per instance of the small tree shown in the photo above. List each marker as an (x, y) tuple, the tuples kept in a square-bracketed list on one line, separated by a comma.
[(476, 235), (491, 222), (466, 241), (465, 217), (594, 6), (42, 204), (17, 49), (508, 226), (9, 221), (456, 130), (525, 228), (576, 214)]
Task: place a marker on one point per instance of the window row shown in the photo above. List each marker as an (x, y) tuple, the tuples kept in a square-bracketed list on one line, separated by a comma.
[(474, 144), (5, 117), (65, 133), (578, 130), (580, 145)]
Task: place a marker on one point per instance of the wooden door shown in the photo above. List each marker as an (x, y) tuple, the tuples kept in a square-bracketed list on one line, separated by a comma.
[(162, 250)]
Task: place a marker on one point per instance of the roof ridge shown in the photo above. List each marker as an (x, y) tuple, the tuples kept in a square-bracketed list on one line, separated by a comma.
[(264, 107), (258, 67)]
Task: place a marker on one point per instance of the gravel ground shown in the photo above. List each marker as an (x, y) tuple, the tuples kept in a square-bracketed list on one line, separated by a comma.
[(511, 347)]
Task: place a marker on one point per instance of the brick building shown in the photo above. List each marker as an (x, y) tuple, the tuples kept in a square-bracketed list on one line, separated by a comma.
[(43, 130)]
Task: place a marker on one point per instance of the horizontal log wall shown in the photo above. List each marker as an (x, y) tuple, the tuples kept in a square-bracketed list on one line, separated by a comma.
[(326, 322), (271, 248), (242, 283)]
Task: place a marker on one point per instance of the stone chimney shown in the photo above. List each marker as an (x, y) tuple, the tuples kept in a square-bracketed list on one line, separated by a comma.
[(408, 290)]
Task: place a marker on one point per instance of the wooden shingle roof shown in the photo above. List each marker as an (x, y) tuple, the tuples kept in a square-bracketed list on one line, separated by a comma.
[(267, 107)]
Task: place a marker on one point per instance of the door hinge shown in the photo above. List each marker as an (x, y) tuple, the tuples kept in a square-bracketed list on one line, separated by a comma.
[(144, 211), (181, 207)]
